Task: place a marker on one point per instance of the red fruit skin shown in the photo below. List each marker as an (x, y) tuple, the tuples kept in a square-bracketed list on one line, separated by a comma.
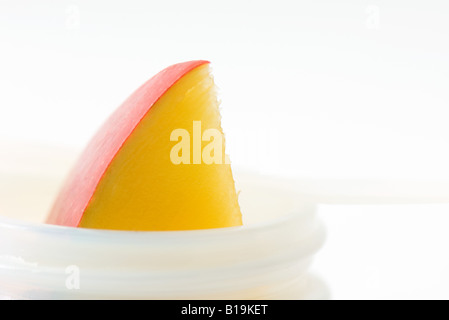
[(84, 178)]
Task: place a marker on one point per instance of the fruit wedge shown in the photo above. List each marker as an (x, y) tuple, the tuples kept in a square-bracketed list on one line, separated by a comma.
[(130, 176)]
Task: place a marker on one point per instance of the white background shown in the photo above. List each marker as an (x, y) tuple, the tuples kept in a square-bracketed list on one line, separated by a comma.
[(349, 89)]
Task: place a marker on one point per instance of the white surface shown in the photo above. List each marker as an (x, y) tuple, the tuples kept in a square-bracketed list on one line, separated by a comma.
[(385, 251)]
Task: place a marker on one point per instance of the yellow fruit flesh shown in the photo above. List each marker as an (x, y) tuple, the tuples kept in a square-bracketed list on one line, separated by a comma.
[(144, 190)]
